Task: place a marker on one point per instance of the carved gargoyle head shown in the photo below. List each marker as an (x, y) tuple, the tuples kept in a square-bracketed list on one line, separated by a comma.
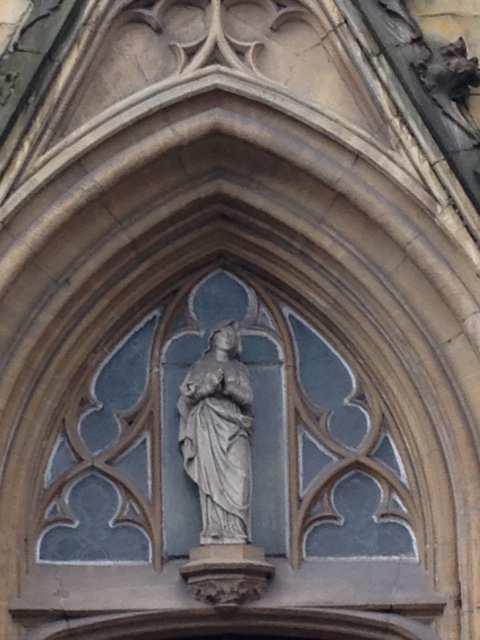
[(450, 72), (463, 71)]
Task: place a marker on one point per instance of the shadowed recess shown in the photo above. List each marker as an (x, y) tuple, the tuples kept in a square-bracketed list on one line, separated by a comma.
[(94, 502), (327, 383), (361, 533), (118, 387), (228, 300)]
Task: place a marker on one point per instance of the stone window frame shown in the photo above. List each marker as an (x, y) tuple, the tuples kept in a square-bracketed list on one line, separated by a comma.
[(145, 418), (401, 587), (442, 569)]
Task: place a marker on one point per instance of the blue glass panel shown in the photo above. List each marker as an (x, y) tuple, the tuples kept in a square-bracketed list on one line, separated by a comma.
[(118, 387), (397, 505), (186, 349), (269, 500), (135, 464), (218, 299), (265, 319), (181, 504), (94, 502), (322, 374), (53, 511), (356, 499), (328, 383), (386, 454), (348, 424), (313, 460), (99, 429), (62, 459), (259, 350)]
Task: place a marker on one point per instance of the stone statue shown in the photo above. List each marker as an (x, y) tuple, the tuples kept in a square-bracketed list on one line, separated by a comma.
[(216, 419)]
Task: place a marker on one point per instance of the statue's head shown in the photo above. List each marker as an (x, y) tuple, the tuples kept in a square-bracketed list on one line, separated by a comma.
[(226, 336)]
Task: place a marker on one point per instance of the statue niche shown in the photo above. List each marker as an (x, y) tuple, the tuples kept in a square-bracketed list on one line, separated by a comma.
[(216, 417)]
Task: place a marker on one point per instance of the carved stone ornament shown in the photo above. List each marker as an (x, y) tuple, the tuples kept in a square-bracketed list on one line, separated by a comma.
[(215, 43), (450, 73), (216, 419), (227, 590), (228, 575)]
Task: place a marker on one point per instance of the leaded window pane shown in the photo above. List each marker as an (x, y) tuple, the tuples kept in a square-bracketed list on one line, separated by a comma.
[(387, 454), (328, 383), (96, 533), (117, 387), (360, 529), (328, 478)]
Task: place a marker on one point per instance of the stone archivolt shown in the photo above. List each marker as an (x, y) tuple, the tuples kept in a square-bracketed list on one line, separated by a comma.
[(233, 203), (309, 504), (221, 167)]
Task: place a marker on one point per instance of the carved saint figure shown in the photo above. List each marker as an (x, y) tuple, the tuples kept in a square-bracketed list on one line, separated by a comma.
[(216, 418)]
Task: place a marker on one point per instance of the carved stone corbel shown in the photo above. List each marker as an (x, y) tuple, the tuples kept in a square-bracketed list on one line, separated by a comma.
[(227, 575)]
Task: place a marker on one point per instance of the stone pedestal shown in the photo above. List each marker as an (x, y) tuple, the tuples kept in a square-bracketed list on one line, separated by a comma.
[(227, 575)]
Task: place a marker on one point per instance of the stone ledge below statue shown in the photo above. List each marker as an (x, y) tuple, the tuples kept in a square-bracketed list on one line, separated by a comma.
[(227, 575)]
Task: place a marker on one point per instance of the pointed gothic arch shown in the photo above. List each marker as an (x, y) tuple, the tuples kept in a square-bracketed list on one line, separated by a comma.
[(227, 172)]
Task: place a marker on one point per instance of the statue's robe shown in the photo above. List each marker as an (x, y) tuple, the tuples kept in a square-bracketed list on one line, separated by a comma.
[(216, 448)]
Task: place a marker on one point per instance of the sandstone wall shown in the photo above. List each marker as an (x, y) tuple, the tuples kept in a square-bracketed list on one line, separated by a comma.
[(442, 21), (11, 15)]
